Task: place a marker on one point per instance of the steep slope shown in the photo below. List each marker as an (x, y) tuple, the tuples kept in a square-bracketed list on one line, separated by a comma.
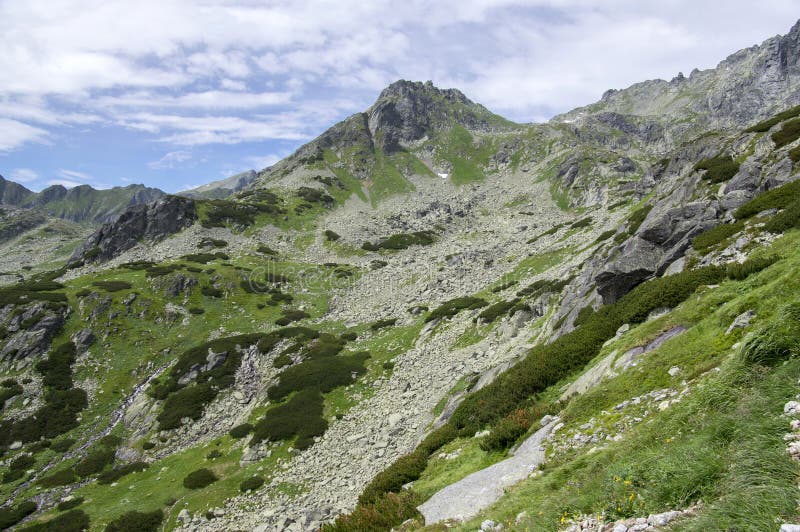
[(12, 193), (402, 302)]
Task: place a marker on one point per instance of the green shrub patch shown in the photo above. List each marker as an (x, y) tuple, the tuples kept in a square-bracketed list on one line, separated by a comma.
[(138, 265), (134, 521), (789, 133), (766, 125), (161, 270), (190, 400), (11, 515), (314, 195), (547, 364), (385, 513), (402, 241), (750, 266), (323, 374), (718, 169), (62, 401), (212, 243), (251, 484), (94, 462), (187, 402), (63, 445), (382, 324), (27, 291), (788, 218), (580, 224), (710, 238), (199, 479), (7, 392), (290, 316), (59, 478), (112, 286), (503, 286), (543, 286), (71, 521), (777, 198), (240, 431), (492, 312), (407, 468), (507, 431), (69, 504), (454, 306), (605, 235), (113, 475), (220, 213), (266, 250), (205, 258), (637, 217), (301, 417)]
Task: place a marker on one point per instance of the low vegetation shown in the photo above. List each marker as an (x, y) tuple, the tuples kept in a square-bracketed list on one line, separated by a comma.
[(402, 241), (134, 521), (199, 479), (718, 169), (789, 133), (454, 306), (710, 238), (777, 198), (766, 125)]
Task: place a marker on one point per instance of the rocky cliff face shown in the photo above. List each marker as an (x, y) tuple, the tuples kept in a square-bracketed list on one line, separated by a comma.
[(149, 222)]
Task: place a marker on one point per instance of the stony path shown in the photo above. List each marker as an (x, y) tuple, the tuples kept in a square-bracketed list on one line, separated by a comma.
[(467, 497)]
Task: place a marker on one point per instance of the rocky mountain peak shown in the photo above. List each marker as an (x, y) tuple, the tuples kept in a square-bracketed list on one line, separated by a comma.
[(417, 90), (407, 111)]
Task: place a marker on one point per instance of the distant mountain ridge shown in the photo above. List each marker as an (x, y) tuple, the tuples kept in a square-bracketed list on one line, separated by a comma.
[(222, 188), (78, 204)]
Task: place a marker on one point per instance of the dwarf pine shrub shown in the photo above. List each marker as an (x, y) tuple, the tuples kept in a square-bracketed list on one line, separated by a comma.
[(199, 479), (134, 521)]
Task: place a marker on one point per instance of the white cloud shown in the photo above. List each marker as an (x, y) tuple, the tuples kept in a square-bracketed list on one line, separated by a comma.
[(74, 175), (23, 175), (260, 162), (16, 133), (233, 85), (170, 160), (212, 99)]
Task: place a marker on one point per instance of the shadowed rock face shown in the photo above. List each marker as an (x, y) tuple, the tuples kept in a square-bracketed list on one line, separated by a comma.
[(150, 222)]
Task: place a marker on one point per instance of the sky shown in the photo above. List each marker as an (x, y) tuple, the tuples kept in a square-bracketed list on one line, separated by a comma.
[(178, 93)]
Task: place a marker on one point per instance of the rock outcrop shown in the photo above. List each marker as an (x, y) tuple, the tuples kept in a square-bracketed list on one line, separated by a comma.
[(151, 222)]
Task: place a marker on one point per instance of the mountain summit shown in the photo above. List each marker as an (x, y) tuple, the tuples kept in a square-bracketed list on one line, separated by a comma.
[(408, 111)]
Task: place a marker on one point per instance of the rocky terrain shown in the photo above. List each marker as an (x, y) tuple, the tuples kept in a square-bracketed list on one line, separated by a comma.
[(430, 317)]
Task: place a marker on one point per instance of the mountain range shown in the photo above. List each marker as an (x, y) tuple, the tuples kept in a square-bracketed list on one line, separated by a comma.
[(428, 317)]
